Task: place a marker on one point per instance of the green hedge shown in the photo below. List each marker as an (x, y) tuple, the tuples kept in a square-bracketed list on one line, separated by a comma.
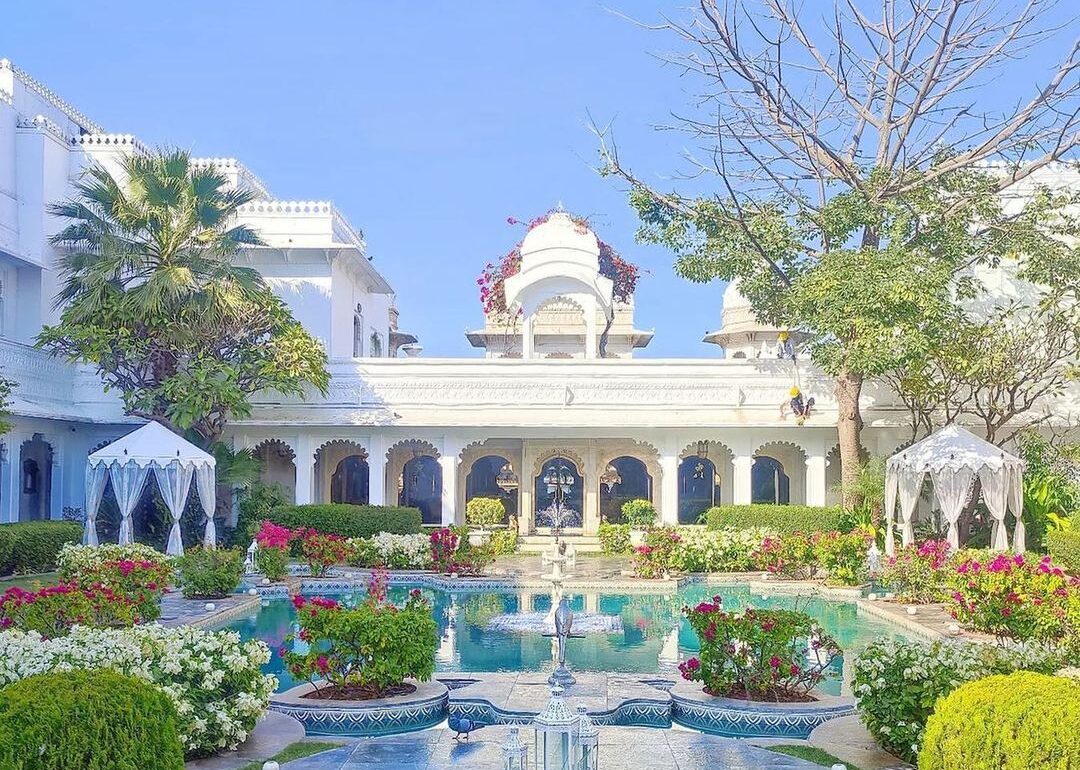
[(784, 519), (90, 720), (1064, 547), (350, 520), (1011, 722), (32, 546)]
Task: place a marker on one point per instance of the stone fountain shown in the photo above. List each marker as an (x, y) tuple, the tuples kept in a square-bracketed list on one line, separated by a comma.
[(561, 556)]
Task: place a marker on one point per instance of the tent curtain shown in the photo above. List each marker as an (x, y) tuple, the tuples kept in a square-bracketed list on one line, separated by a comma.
[(127, 482), (952, 487), (1016, 503), (96, 477), (174, 483), (910, 487), (892, 482), (995, 493), (206, 483)]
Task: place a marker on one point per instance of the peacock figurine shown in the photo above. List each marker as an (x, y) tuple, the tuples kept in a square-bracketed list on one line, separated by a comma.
[(461, 726)]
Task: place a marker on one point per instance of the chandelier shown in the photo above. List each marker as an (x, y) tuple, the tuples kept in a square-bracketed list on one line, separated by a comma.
[(507, 480), (558, 478), (610, 477)]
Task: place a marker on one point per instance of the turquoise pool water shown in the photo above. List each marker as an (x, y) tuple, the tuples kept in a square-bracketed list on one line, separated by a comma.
[(654, 636)]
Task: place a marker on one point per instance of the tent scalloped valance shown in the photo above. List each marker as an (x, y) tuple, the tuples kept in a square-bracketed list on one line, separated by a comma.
[(955, 458), (175, 463)]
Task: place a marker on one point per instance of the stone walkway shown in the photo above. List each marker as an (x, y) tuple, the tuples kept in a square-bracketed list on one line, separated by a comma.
[(621, 748)]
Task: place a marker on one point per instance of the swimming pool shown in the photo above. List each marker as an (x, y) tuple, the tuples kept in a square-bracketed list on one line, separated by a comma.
[(652, 639)]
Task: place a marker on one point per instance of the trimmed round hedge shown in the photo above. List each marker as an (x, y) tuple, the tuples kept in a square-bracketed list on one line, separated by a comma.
[(350, 520), (1011, 722), (782, 519), (33, 546), (90, 720)]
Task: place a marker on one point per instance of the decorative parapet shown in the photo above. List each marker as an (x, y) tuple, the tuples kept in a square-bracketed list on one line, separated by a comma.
[(290, 208), (42, 123), (110, 142), (6, 98), (248, 178), (52, 98)]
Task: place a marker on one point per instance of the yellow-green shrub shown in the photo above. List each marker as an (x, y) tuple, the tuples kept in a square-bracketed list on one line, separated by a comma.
[(1013, 722)]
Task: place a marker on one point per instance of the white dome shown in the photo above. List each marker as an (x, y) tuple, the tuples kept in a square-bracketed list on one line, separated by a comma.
[(560, 239), (733, 298)]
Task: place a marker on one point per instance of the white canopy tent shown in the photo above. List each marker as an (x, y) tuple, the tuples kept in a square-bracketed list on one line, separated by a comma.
[(128, 461), (955, 458)]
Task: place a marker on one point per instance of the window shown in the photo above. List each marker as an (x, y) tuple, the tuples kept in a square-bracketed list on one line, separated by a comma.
[(358, 332), (376, 344)]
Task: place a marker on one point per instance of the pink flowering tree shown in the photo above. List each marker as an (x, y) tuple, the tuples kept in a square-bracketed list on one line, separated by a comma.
[(917, 573), (1012, 597), (322, 551), (778, 655), (272, 555), (366, 651), (52, 611)]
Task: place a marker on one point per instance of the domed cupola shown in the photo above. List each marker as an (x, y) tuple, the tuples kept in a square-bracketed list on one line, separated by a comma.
[(741, 334), (559, 258)]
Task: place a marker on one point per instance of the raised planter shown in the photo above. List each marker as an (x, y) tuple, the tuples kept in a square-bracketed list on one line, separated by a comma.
[(735, 718), (382, 716)]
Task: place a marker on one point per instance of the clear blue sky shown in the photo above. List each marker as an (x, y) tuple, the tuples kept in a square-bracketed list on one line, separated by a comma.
[(428, 124)]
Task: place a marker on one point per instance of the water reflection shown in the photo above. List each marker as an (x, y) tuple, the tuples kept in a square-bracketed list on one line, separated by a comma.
[(653, 639)]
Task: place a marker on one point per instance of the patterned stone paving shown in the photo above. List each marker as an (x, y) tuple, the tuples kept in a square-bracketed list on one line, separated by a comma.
[(621, 748)]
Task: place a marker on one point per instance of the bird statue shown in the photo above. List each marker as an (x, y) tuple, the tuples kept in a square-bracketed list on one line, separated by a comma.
[(461, 726)]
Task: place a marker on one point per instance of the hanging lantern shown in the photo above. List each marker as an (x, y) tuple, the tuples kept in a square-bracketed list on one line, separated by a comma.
[(587, 742), (556, 730), (507, 480), (703, 449), (610, 477), (515, 752)]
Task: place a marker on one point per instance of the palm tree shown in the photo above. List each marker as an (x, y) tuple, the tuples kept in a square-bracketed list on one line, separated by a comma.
[(159, 238), (152, 296)]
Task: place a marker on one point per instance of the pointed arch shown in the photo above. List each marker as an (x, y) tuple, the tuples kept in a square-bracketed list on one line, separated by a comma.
[(277, 464), (778, 474), (341, 472)]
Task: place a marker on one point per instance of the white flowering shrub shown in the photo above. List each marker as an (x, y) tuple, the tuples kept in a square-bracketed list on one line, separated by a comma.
[(897, 682), (213, 678), (723, 550), (75, 559), (394, 551)]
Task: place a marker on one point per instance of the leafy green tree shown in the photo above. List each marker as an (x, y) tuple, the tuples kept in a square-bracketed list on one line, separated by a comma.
[(853, 194), (152, 297), (6, 387)]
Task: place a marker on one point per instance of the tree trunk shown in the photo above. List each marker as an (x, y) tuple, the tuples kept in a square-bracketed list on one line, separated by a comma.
[(849, 427)]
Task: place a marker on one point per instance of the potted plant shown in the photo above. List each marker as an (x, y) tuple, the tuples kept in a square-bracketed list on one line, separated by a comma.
[(640, 515), (757, 655), (371, 664), (484, 512)]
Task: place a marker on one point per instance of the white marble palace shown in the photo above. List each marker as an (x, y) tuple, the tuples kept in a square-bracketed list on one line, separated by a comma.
[(431, 432)]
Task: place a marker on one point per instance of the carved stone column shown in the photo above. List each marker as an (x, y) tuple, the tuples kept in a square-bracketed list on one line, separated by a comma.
[(816, 487), (305, 470), (669, 489), (741, 494), (377, 471), (448, 462), (590, 517)]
